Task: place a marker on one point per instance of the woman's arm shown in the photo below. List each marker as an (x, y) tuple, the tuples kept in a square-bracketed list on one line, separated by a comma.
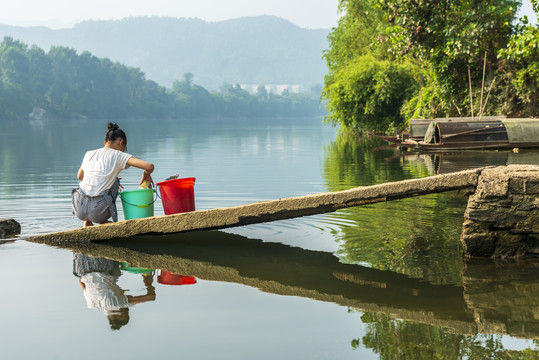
[(80, 174), (141, 164), (150, 291), (144, 165)]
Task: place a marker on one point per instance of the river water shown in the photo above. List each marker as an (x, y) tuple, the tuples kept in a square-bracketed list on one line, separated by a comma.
[(383, 281)]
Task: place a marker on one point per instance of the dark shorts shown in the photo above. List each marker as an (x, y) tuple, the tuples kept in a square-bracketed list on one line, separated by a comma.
[(84, 264), (97, 209)]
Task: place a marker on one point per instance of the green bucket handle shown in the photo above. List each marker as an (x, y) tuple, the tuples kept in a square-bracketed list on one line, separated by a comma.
[(143, 206)]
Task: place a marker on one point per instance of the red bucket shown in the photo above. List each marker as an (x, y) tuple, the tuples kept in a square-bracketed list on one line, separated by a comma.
[(178, 195), (168, 278)]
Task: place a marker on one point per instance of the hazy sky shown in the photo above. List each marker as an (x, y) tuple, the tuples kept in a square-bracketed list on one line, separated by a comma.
[(304, 13), (312, 14)]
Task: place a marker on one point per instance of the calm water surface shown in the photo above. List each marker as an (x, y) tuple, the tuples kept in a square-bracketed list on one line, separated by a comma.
[(383, 281)]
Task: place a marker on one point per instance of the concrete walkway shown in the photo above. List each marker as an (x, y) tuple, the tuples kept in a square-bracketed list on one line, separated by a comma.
[(266, 211)]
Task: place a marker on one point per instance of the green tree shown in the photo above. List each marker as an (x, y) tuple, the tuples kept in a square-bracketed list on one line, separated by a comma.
[(364, 88), (368, 93), (521, 68), (40, 71), (261, 91), (70, 85), (235, 100), (63, 95), (14, 63), (14, 74), (358, 33), (440, 46), (450, 37), (192, 100)]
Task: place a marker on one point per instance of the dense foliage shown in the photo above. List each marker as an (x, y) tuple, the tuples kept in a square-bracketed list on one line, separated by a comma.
[(364, 88), (370, 93), (397, 339), (521, 73), (70, 85), (441, 47)]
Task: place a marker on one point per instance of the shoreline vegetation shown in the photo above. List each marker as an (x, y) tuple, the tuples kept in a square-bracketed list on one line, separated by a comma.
[(62, 84), (390, 61)]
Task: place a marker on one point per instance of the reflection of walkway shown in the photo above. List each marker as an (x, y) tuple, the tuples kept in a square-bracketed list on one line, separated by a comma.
[(498, 222), (285, 270)]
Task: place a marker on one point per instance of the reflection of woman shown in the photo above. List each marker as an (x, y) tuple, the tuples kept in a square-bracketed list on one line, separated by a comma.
[(98, 278)]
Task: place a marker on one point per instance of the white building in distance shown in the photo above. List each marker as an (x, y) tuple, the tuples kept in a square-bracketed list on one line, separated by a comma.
[(277, 89)]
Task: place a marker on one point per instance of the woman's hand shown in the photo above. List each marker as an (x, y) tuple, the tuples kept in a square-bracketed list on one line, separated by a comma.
[(147, 177), (144, 165)]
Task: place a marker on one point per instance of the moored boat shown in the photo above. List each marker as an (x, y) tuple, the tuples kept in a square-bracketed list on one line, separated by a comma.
[(418, 127), (500, 133)]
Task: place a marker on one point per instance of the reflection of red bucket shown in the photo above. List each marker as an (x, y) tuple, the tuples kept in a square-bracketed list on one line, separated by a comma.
[(168, 278), (178, 195)]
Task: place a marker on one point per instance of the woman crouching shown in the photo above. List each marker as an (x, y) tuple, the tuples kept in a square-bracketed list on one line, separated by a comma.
[(94, 200)]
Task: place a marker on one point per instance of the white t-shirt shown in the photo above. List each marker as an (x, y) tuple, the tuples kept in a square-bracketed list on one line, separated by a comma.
[(103, 293), (101, 168)]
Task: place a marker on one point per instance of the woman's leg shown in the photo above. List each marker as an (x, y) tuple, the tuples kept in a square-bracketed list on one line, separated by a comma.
[(114, 190), (102, 207), (80, 206)]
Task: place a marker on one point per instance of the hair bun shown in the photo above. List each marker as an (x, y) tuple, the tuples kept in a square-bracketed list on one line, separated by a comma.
[(112, 126)]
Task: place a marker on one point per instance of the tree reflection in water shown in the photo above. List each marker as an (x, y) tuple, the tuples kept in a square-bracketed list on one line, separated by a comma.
[(397, 339), (420, 237)]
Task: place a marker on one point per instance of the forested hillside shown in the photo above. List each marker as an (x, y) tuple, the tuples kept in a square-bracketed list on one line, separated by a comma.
[(65, 84), (251, 50)]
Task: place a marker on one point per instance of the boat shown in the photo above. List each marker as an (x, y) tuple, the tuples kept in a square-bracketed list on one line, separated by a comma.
[(418, 127), (466, 133), (503, 133)]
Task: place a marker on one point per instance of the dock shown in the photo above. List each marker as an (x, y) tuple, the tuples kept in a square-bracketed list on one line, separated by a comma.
[(265, 211), (504, 204)]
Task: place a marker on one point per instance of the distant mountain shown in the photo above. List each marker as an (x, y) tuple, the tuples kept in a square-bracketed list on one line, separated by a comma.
[(250, 50)]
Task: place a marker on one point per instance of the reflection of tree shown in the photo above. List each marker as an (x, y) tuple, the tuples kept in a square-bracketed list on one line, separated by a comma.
[(418, 236), (396, 339), (351, 161)]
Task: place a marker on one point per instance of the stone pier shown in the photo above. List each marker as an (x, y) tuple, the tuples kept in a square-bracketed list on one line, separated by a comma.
[(265, 211), (500, 220), (502, 216)]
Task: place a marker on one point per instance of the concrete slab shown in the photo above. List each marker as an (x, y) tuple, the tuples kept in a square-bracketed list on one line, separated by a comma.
[(266, 211)]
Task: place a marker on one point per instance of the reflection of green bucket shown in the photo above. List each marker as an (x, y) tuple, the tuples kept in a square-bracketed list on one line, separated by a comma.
[(135, 270), (137, 203)]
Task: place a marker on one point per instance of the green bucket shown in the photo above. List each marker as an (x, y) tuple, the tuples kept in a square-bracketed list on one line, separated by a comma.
[(137, 203), (135, 270)]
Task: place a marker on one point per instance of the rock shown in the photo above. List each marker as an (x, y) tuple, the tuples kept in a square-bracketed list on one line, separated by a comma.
[(502, 217), (9, 227)]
